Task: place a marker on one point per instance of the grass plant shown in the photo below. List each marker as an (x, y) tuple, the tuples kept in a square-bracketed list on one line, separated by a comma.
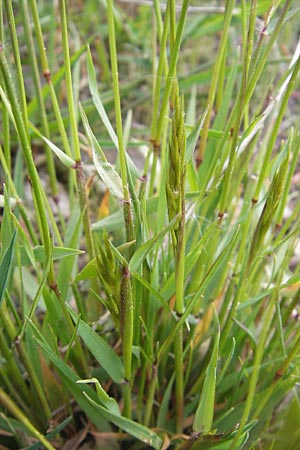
[(149, 260)]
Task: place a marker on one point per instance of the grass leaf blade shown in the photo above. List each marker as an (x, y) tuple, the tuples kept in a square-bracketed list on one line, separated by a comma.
[(5, 265)]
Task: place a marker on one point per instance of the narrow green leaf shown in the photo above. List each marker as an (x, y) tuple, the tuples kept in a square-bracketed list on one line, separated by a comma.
[(89, 271), (100, 349), (193, 137), (64, 159), (5, 265), (228, 361), (162, 417), (97, 100), (102, 113), (137, 430), (205, 412), (109, 176)]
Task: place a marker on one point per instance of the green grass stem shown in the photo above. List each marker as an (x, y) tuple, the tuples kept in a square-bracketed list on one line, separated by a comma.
[(127, 304), (38, 90)]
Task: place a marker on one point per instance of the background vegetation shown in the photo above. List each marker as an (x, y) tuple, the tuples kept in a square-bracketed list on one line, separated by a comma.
[(149, 266)]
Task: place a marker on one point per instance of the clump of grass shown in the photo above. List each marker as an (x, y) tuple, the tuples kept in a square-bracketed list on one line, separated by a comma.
[(149, 279)]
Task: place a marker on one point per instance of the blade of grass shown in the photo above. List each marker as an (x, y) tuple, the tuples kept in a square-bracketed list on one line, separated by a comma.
[(5, 265)]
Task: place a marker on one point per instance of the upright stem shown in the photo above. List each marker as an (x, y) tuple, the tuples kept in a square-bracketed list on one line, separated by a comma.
[(118, 114), (179, 269), (127, 304), (83, 200), (38, 90), (176, 207)]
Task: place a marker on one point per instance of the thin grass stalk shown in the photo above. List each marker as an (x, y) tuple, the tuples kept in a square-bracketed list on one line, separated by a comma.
[(118, 114), (47, 75), (69, 84), (17, 58), (127, 304), (214, 81), (83, 200), (126, 314), (38, 90), (176, 206)]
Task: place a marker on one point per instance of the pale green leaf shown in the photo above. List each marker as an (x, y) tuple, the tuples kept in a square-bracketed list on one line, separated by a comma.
[(105, 170), (97, 100), (107, 401), (193, 137)]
